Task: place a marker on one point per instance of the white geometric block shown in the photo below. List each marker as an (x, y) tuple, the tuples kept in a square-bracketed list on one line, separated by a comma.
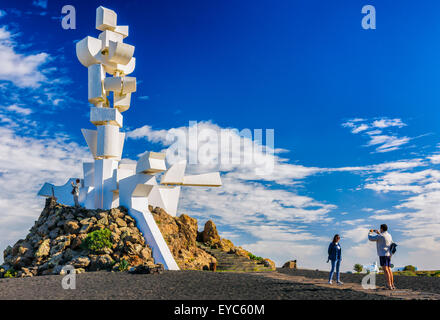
[(121, 101), (123, 173), (91, 137), (123, 30), (105, 19), (113, 68), (128, 85), (121, 85), (128, 68), (89, 174), (175, 174), (109, 144), (104, 170), (88, 50), (113, 84), (151, 163), (203, 180), (108, 36), (128, 166), (102, 116), (120, 53), (96, 76)]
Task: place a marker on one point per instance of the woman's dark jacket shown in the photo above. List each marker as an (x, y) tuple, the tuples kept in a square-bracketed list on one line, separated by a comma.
[(333, 252)]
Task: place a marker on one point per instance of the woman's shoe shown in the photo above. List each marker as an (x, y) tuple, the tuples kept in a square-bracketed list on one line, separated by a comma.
[(330, 282), (340, 282)]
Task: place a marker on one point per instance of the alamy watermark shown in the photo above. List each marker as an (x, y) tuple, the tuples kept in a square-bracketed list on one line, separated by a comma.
[(369, 20), (69, 280)]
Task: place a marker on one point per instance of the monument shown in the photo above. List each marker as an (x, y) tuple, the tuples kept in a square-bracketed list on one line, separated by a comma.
[(107, 182)]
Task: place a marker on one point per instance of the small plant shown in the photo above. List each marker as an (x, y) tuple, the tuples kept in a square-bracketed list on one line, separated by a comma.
[(11, 273), (254, 257), (358, 268), (123, 265), (98, 240)]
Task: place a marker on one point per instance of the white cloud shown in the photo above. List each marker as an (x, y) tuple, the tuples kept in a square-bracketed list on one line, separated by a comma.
[(435, 159), (386, 217), (385, 123), (20, 69), (25, 164), (357, 234), (387, 143), (19, 110), (374, 132)]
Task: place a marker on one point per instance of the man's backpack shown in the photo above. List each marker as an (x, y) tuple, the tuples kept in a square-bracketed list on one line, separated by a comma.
[(393, 248)]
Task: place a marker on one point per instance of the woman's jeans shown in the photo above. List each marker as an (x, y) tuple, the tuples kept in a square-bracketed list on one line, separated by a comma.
[(335, 264)]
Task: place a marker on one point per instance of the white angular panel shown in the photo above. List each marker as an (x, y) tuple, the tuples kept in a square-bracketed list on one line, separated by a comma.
[(170, 198), (121, 101), (121, 143), (102, 116), (88, 50), (109, 144), (108, 36), (122, 30), (95, 88), (106, 19), (62, 193), (151, 163), (119, 52), (203, 180), (89, 173), (175, 174), (91, 137)]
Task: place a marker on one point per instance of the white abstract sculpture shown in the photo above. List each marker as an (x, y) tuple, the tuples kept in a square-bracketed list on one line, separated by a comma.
[(108, 183)]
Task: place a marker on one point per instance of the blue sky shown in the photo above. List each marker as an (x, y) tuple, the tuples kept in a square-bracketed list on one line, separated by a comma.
[(355, 112)]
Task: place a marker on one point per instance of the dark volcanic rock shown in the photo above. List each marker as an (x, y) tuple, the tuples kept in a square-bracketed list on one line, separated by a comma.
[(57, 239)]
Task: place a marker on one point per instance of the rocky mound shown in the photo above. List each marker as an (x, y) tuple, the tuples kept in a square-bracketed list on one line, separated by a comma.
[(92, 240), (89, 240)]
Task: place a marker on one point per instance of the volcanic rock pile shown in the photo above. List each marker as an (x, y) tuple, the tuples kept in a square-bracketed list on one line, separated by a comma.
[(91, 240), (64, 235)]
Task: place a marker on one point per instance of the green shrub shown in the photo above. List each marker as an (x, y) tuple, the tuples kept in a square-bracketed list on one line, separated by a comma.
[(358, 267), (409, 268), (123, 265), (98, 240), (11, 273), (254, 257)]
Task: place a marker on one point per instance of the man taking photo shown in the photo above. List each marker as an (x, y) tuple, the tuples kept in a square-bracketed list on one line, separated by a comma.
[(383, 242)]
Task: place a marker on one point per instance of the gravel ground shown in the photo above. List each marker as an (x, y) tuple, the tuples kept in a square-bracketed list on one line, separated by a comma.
[(172, 285), (419, 283)]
